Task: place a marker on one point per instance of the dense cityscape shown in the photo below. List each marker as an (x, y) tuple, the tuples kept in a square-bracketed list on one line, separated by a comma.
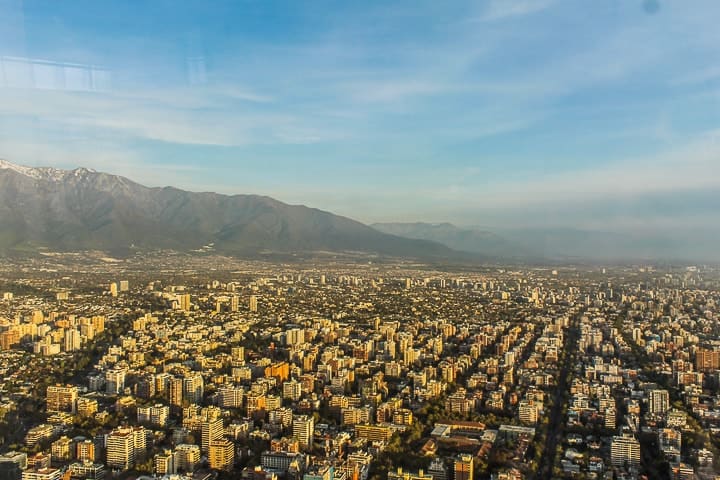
[(375, 240), (199, 366)]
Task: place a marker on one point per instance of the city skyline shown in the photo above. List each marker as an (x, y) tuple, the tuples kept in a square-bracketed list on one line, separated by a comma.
[(326, 240), (600, 116), (345, 370)]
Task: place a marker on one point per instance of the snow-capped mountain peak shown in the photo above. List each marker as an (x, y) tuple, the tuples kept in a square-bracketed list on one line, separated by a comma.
[(45, 173), (27, 171)]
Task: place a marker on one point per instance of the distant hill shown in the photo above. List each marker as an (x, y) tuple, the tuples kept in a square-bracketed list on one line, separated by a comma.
[(567, 244), (555, 244), (81, 209), (464, 239)]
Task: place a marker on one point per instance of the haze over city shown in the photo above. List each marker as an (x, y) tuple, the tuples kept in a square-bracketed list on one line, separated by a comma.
[(600, 116)]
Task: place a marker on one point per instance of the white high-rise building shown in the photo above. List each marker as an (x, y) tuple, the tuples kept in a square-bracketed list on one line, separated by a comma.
[(115, 381), (625, 449), (61, 398), (221, 454), (73, 340), (292, 389), (156, 415), (294, 336), (125, 446), (528, 411), (658, 401), (231, 396), (610, 418), (165, 463), (193, 388), (211, 430), (303, 430), (253, 303), (187, 457)]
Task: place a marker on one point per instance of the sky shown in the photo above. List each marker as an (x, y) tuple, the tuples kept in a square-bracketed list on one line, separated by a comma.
[(599, 115)]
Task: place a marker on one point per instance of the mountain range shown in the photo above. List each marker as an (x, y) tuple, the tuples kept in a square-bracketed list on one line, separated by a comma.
[(81, 209), (472, 240), (556, 244)]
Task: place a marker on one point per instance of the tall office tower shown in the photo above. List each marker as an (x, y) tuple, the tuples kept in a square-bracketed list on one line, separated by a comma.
[(114, 381), (187, 457), (464, 467), (658, 401), (175, 391), (282, 416), (211, 430), (124, 446), (237, 354), (322, 279), (234, 303), (145, 387), (253, 303), (303, 428), (292, 390), (610, 418), (114, 289), (98, 323), (87, 330), (528, 411), (408, 283), (221, 454), (61, 398), (61, 449), (72, 340), (230, 396), (193, 388), (162, 383), (625, 449), (184, 302), (294, 336), (140, 439), (157, 414), (273, 402), (124, 285), (390, 349), (164, 463), (85, 451), (707, 360)]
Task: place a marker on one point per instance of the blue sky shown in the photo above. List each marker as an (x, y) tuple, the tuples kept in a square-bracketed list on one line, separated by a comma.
[(602, 115)]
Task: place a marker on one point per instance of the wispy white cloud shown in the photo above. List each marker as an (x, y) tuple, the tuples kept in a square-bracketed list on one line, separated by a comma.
[(181, 117), (503, 9), (395, 90), (692, 167)]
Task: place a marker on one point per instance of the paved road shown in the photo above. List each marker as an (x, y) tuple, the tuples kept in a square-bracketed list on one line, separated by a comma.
[(556, 423)]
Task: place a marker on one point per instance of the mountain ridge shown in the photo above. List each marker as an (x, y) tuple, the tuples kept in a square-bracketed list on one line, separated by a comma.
[(458, 238), (563, 244), (82, 209)]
